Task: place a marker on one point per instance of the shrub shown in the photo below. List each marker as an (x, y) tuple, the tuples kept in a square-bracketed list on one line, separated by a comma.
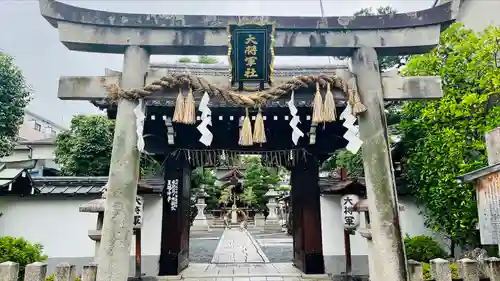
[(423, 248), (184, 60), (51, 277), (426, 268), (17, 249), (207, 60)]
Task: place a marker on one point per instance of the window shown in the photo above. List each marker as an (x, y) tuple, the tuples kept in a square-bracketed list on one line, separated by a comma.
[(38, 126), (52, 132)]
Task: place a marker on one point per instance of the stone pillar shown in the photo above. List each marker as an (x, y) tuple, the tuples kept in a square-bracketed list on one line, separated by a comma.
[(89, 272), (306, 216), (379, 174), (415, 271), (234, 214), (440, 270), (116, 239), (260, 220), (272, 224), (174, 252), (200, 221), (100, 218), (35, 271), (65, 272), (9, 271), (493, 269), (469, 270), (493, 146)]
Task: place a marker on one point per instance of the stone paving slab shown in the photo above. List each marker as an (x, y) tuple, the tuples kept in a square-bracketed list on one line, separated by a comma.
[(236, 246), (247, 272)]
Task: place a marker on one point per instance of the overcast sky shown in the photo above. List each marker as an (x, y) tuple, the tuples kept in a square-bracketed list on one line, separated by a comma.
[(34, 43)]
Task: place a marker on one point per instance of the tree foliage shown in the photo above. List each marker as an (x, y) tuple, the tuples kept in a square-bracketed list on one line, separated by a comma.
[(14, 96), (17, 249), (444, 139), (205, 176), (259, 178), (343, 158), (85, 149)]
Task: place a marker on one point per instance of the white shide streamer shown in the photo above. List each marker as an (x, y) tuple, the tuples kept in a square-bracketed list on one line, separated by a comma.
[(140, 116), (296, 132), (352, 134), (206, 119)]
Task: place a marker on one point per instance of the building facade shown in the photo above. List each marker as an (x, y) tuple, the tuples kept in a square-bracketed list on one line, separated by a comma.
[(477, 14), (53, 219), (36, 127)]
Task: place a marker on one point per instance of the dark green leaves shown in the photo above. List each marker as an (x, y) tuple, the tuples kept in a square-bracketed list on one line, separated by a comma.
[(14, 96)]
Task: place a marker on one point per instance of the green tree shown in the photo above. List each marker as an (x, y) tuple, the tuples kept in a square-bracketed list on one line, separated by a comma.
[(445, 138), (259, 178), (205, 176), (85, 149), (14, 96)]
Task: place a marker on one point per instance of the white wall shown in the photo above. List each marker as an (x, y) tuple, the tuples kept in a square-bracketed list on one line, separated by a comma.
[(56, 223), (412, 222)]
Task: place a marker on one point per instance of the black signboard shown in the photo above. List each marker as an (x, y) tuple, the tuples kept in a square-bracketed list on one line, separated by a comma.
[(251, 53)]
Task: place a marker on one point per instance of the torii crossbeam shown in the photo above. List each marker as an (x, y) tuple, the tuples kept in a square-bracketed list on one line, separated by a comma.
[(363, 38)]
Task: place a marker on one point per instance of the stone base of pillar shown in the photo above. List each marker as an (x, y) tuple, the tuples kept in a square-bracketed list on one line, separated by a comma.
[(272, 226), (200, 224), (259, 220)]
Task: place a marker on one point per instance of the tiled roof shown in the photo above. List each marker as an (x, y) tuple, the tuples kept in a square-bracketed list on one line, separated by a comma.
[(88, 185)]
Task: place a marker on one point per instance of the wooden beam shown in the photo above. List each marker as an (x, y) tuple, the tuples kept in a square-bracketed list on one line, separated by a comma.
[(395, 88)]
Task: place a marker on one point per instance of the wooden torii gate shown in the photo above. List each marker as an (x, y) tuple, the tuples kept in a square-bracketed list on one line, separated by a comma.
[(363, 38)]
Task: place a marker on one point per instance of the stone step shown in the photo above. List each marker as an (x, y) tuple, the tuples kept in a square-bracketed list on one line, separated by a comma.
[(245, 272)]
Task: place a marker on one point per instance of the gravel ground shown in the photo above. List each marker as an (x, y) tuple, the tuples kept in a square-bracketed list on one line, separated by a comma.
[(275, 253), (278, 254), (202, 245)]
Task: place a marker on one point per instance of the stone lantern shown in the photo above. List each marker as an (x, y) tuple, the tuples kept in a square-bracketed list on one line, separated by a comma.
[(272, 222), (200, 221)]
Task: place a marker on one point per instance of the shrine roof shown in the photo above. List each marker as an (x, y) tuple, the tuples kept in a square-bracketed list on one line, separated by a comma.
[(86, 185), (233, 173)]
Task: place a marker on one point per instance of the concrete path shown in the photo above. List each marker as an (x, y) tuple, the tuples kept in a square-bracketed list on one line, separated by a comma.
[(238, 246)]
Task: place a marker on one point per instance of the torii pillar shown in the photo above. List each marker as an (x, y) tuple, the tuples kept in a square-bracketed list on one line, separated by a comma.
[(137, 36)]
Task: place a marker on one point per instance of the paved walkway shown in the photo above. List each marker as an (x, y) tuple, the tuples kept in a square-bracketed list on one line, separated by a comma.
[(238, 246), (238, 257)]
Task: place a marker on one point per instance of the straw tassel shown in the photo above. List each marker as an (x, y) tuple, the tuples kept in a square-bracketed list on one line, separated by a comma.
[(179, 108), (317, 107), (246, 131), (189, 109), (329, 110), (357, 106), (259, 133)]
